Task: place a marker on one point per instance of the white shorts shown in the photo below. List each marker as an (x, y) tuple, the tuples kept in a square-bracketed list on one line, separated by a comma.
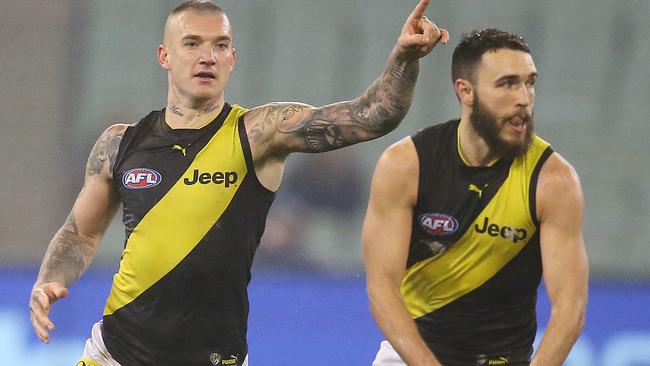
[(387, 356), (95, 353)]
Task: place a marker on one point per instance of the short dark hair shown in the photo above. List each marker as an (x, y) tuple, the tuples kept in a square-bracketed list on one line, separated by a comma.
[(198, 5), (467, 54)]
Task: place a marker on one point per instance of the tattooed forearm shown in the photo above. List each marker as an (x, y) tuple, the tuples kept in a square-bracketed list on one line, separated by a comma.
[(68, 255), (378, 111), (299, 127)]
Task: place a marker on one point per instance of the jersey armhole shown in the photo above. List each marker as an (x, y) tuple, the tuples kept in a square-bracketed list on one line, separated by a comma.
[(532, 195), (248, 155)]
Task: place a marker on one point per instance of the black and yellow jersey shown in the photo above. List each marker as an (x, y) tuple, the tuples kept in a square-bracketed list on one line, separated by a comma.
[(194, 212), (474, 260)]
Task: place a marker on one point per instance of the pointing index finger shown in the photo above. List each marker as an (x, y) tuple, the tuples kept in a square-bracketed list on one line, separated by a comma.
[(418, 12)]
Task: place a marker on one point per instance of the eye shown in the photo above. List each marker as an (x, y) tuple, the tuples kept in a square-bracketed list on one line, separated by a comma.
[(508, 83), (223, 46), (191, 44)]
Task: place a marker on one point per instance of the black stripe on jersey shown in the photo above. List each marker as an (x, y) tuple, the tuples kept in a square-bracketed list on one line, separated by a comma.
[(142, 146), (507, 300), (532, 196), (437, 150), (209, 283)]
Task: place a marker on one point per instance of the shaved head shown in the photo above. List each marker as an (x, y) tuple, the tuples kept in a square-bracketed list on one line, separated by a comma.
[(197, 6)]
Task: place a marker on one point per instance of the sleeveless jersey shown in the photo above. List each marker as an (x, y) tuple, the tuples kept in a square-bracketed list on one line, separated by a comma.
[(474, 260), (194, 212)]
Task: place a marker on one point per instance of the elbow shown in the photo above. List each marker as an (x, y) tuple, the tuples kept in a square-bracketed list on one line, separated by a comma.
[(572, 314)]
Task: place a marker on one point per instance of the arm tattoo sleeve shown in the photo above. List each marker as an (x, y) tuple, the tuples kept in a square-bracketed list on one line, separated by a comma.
[(68, 255), (105, 148), (378, 111)]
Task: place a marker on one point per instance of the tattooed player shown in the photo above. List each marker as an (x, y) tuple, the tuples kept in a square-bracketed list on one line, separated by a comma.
[(196, 181)]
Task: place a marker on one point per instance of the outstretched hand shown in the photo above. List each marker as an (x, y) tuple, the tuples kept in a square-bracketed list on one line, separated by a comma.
[(40, 303), (419, 35)]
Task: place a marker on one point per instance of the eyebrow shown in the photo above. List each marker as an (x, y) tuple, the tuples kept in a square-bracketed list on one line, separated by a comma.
[(197, 37), (514, 77)]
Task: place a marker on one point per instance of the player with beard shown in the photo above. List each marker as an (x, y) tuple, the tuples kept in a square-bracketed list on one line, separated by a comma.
[(465, 218)]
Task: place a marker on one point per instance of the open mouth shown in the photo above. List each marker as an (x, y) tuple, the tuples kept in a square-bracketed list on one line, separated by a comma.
[(518, 123), (205, 75)]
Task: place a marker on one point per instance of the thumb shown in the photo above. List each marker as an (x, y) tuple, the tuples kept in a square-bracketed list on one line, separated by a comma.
[(55, 290), (60, 292)]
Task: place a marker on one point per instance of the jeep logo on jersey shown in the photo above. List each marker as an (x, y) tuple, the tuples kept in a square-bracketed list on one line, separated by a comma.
[(512, 233), (438, 224), (140, 178), (225, 178)]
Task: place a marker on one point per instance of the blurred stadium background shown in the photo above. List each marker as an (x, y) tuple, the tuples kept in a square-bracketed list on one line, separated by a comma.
[(70, 68)]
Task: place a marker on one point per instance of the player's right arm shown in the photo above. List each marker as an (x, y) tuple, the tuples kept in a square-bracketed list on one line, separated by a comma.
[(74, 245), (386, 236)]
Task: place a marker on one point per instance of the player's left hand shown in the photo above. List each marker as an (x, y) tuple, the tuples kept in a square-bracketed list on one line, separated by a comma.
[(419, 35)]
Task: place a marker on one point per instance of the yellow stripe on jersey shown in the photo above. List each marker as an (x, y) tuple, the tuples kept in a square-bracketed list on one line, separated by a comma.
[(497, 234), (180, 220)]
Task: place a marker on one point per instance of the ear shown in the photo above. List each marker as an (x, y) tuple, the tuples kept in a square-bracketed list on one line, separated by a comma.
[(465, 91), (163, 56), (234, 59)]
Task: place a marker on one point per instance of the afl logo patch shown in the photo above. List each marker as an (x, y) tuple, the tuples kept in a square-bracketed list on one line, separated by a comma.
[(438, 224), (140, 178)]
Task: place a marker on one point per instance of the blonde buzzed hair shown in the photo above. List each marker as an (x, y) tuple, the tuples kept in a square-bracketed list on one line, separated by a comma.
[(198, 5)]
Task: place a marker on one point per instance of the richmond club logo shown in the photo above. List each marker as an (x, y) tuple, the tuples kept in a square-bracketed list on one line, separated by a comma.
[(438, 224), (140, 178)]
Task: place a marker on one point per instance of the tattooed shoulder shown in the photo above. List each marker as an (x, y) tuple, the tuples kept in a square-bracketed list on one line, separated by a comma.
[(105, 150), (267, 119)]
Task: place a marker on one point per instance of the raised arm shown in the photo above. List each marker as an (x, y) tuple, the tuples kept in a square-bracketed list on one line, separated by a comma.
[(386, 237), (73, 247), (564, 259), (282, 128)]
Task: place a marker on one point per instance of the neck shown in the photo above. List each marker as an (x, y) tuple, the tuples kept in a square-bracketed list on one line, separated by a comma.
[(187, 115), (472, 148)]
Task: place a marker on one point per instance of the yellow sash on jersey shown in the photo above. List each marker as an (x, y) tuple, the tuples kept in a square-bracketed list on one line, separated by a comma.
[(476, 257), (178, 222)]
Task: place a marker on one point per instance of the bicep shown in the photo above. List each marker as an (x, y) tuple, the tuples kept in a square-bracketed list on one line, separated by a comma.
[(564, 257), (387, 227), (98, 200)]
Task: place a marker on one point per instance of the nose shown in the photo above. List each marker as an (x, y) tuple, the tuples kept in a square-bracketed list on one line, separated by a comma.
[(207, 56), (524, 96)]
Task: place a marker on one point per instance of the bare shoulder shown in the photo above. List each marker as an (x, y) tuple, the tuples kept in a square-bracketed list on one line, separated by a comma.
[(558, 186), (558, 173), (397, 171), (400, 158), (102, 157), (117, 129)]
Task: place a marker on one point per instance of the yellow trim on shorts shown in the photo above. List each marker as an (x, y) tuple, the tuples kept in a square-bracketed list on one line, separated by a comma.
[(86, 362)]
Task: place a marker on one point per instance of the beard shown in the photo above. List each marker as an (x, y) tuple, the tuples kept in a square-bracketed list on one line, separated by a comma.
[(489, 127)]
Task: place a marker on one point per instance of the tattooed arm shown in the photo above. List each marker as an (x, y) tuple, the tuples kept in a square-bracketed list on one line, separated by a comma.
[(282, 128), (74, 245)]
